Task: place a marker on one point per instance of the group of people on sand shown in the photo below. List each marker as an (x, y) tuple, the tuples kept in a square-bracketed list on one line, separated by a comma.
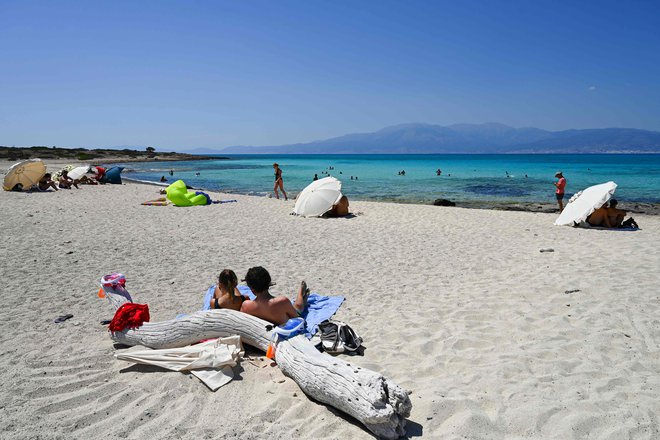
[(609, 216), (63, 182), (276, 310)]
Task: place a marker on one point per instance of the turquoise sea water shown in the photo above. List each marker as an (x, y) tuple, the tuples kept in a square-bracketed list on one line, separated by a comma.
[(465, 178)]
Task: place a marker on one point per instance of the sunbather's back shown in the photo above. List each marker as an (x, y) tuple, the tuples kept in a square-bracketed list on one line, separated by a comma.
[(599, 217), (225, 302), (276, 310)]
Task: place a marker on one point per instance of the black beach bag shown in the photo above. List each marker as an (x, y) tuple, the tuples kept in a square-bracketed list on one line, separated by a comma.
[(338, 337)]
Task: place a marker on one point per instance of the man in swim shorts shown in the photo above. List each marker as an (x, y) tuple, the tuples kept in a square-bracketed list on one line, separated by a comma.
[(276, 310)]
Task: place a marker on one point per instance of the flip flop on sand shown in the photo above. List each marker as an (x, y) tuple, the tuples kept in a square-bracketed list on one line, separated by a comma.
[(62, 318)]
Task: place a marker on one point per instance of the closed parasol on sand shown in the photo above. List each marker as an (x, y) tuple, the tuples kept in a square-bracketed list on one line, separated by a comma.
[(27, 173), (318, 197), (584, 203), (212, 361)]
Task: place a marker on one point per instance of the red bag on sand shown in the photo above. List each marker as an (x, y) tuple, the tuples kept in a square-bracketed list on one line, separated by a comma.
[(129, 315)]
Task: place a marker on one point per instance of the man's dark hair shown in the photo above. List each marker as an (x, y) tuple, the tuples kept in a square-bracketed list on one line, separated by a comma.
[(613, 203), (257, 279)]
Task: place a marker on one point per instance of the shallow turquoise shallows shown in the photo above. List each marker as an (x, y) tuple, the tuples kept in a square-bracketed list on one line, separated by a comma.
[(467, 178)]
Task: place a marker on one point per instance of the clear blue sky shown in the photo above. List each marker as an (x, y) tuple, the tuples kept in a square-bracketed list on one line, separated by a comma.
[(187, 74)]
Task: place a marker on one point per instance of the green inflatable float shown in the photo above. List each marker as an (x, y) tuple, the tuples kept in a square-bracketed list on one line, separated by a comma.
[(178, 194)]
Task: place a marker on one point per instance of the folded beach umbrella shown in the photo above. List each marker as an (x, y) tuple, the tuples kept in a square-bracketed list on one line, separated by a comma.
[(211, 360), (27, 173), (318, 197), (584, 203), (78, 172)]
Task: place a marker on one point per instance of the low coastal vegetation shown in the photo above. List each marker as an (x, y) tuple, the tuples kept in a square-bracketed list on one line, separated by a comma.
[(101, 154)]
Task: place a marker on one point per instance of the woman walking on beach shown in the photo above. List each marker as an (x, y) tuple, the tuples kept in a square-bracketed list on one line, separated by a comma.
[(279, 183)]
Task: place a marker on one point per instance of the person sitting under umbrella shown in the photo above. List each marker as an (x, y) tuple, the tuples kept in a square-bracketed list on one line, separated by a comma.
[(84, 180), (611, 219), (600, 217), (617, 215), (339, 209), (46, 182), (100, 172), (266, 306), (66, 182)]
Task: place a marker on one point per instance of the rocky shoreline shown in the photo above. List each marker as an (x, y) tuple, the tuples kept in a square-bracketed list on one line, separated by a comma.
[(632, 207)]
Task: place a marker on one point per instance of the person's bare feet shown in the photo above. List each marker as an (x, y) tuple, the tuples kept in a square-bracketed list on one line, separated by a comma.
[(304, 291), (301, 299)]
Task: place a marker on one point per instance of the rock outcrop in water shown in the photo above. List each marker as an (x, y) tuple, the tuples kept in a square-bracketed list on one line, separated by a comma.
[(443, 202)]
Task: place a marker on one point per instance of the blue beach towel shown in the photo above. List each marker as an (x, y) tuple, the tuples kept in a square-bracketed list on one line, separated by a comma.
[(318, 309)]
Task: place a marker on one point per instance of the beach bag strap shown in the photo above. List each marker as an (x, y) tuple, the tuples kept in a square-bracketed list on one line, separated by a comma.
[(350, 340)]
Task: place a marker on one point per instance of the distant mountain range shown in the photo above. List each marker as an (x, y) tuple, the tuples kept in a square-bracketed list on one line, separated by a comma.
[(469, 138)]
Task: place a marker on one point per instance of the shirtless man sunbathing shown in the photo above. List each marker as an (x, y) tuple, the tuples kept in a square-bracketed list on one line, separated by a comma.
[(600, 217), (611, 217), (615, 214), (276, 310)]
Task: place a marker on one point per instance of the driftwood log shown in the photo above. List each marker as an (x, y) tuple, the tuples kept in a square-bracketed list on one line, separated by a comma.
[(375, 401)]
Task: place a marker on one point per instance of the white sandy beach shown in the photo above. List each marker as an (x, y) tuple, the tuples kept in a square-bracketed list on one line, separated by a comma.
[(456, 305)]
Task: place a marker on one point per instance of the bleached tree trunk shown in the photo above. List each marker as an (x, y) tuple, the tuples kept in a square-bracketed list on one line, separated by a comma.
[(375, 401)]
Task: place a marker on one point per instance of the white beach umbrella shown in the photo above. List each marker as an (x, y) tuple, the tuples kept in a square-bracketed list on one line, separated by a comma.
[(318, 197), (78, 172), (584, 203), (27, 173)]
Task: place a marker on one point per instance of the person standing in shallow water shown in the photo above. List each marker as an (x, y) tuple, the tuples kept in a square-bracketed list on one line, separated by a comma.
[(279, 183), (560, 185)]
